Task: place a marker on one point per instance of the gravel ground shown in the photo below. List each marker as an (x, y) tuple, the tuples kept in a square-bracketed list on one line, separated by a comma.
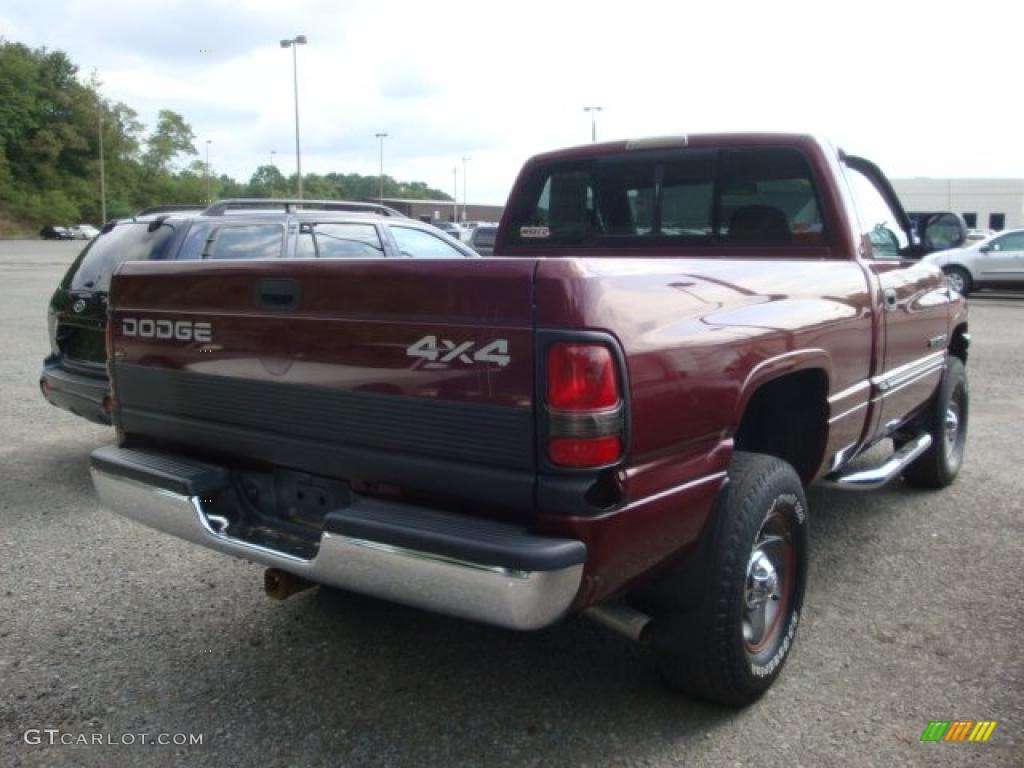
[(913, 614)]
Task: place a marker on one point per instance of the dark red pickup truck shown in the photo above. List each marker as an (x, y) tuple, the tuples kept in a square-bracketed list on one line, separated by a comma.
[(618, 414)]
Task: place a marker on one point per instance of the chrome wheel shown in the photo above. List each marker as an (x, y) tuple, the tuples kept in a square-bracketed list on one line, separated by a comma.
[(953, 428), (957, 280), (767, 585)]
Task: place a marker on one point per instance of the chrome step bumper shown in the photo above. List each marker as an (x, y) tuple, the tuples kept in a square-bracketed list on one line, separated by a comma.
[(875, 477), (495, 590)]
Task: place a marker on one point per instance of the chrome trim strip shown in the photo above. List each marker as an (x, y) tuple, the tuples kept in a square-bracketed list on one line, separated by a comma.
[(897, 377), (675, 489), (500, 596), (907, 382), (857, 388), (847, 412), (875, 477)]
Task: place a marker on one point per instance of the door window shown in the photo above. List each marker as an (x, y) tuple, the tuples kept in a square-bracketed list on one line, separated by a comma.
[(878, 221), (416, 243), (1011, 242), (248, 241), (340, 241)]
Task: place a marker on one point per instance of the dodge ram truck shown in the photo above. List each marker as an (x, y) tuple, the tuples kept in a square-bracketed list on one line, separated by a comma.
[(617, 415)]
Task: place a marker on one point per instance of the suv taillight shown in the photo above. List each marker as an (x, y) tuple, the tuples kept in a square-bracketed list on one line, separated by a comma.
[(584, 406)]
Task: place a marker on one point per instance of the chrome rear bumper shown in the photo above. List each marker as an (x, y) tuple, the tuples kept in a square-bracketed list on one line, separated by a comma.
[(500, 595)]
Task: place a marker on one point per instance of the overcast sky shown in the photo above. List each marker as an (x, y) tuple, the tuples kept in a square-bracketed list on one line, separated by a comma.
[(924, 90)]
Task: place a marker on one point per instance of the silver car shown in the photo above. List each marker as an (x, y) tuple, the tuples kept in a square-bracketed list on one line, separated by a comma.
[(997, 262)]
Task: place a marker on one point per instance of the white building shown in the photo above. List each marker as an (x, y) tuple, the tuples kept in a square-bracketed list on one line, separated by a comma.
[(984, 203)]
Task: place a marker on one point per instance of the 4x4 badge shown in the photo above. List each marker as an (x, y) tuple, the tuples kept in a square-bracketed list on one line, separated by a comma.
[(78, 306)]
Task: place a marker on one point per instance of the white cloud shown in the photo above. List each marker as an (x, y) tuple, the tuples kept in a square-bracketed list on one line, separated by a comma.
[(917, 87)]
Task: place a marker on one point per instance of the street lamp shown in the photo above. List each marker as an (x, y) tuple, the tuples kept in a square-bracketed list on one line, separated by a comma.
[(381, 137), (208, 143), (103, 170), (272, 153), (455, 194), (465, 176), (294, 43), (593, 121)]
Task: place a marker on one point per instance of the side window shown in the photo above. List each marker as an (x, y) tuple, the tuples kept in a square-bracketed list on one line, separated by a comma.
[(878, 221), (247, 241), (422, 245), (346, 241), (1012, 242), (304, 247), (195, 241)]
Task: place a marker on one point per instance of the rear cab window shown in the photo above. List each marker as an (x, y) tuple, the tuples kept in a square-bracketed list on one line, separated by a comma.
[(127, 241), (751, 196)]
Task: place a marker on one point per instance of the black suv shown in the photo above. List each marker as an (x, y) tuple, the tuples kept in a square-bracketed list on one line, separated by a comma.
[(74, 375)]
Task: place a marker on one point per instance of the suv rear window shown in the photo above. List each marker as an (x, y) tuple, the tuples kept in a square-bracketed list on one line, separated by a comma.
[(129, 241), (756, 196)]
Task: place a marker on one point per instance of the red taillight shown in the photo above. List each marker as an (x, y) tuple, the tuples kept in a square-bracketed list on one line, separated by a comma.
[(585, 408), (581, 377)]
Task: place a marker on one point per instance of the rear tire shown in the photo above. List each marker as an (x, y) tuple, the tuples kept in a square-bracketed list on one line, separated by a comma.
[(732, 646), (959, 279), (947, 424)]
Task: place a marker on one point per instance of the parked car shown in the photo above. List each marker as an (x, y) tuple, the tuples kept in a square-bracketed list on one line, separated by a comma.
[(83, 232), (619, 417), (54, 232), (74, 375), (481, 239), (451, 229), (997, 262)]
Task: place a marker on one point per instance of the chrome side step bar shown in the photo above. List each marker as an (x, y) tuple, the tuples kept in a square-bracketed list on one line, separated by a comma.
[(876, 477)]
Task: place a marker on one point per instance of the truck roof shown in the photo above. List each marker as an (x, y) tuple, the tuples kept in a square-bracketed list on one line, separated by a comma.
[(584, 151)]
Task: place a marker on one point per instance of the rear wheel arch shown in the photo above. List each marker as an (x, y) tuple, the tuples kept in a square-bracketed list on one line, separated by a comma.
[(786, 416)]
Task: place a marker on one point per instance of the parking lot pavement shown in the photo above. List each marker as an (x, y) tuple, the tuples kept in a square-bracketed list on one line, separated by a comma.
[(913, 614)]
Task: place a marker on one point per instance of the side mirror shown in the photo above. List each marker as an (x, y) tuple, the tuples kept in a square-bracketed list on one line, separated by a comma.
[(942, 231), (985, 248)]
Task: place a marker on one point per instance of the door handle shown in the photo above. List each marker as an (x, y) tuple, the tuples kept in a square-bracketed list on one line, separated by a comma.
[(278, 295), (889, 299)]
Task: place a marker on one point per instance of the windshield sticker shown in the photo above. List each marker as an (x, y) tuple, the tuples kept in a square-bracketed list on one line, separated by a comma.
[(534, 232)]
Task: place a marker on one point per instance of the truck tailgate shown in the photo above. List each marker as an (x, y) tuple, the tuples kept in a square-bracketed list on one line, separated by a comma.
[(418, 374)]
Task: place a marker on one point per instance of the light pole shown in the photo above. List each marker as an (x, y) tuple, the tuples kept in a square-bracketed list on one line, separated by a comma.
[(455, 194), (294, 43), (103, 172), (465, 177), (593, 121), (208, 143), (272, 153), (381, 137)]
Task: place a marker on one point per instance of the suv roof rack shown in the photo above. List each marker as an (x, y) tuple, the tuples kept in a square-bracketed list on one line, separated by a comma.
[(168, 208), (291, 205)]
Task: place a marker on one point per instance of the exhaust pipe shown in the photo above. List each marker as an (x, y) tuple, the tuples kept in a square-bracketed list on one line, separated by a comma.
[(622, 619), (280, 584)]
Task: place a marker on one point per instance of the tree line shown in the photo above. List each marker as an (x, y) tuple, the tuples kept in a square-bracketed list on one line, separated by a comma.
[(51, 125)]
